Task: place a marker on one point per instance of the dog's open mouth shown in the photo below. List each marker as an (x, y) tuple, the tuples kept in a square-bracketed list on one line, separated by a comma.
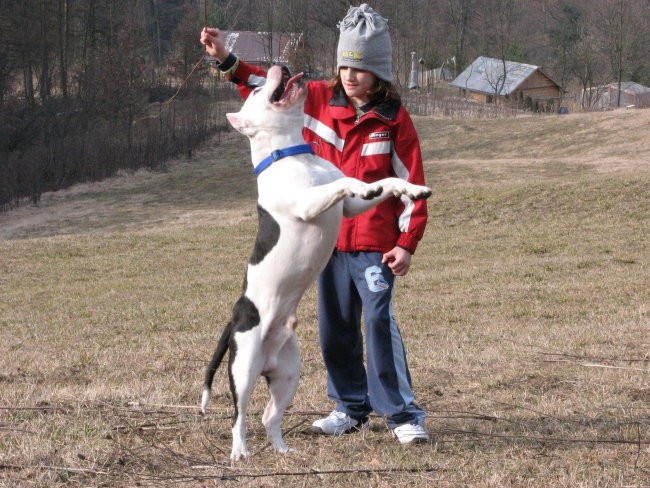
[(289, 88)]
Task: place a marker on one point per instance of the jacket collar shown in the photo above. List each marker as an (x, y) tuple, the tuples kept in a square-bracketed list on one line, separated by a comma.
[(387, 110)]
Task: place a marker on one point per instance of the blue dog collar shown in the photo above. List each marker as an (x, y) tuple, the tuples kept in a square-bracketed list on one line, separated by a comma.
[(282, 153)]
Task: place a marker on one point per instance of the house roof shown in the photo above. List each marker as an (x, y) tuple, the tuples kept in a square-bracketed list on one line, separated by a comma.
[(253, 47), (486, 74), (630, 87)]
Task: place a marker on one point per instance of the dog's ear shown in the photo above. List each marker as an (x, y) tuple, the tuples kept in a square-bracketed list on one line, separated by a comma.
[(234, 119), (240, 124)]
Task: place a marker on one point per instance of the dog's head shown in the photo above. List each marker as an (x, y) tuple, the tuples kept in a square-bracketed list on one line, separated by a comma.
[(275, 106)]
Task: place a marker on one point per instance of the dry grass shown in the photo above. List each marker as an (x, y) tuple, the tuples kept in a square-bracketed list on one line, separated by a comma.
[(526, 318)]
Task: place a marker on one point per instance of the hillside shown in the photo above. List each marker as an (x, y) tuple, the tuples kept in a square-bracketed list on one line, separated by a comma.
[(211, 184), (525, 315), (605, 140)]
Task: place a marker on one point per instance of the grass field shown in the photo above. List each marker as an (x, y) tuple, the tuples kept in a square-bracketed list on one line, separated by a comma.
[(526, 317)]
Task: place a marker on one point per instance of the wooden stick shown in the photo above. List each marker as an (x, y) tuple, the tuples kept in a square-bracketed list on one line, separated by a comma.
[(594, 365), (52, 468)]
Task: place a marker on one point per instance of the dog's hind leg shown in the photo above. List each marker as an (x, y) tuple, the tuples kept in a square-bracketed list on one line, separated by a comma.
[(219, 352), (283, 383), (244, 371)]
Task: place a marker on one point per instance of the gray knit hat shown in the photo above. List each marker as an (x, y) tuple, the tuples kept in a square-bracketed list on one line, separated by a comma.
[(364, 42)]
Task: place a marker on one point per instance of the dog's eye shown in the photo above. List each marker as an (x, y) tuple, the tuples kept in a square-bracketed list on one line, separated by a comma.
[(256, 90)]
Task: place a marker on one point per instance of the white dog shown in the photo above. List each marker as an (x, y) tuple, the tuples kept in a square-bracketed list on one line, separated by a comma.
[(301, 201)]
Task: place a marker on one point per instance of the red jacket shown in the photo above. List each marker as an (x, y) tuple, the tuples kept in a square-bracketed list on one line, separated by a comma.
[(381, 143)]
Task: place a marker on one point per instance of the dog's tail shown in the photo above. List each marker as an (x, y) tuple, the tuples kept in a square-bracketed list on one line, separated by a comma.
[(219, 352)]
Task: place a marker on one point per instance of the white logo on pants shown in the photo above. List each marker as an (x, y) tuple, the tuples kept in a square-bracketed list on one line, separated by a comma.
[(375, 280)]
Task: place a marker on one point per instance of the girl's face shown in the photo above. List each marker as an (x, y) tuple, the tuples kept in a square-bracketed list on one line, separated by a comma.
[(357, 83)]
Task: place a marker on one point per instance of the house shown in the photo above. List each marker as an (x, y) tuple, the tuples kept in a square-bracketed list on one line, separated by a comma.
[(632, 95), (488, 79), (264, 48)]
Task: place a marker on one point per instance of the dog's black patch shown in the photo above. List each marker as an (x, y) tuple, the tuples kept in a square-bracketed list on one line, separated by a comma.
[(245, 315), (268, 234)]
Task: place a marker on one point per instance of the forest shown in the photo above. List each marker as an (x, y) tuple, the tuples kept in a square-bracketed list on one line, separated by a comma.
[(89, 87)]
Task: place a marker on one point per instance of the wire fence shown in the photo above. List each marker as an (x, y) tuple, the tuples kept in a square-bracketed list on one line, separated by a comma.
[(442, 104)]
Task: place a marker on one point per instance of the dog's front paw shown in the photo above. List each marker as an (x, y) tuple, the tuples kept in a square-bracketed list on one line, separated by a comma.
[(413, 192), (420, 193), (371, 191)]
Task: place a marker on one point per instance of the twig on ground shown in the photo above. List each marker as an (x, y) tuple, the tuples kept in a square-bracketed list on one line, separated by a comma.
[(16, 429), (513, 405), (165, 406), (17, 467), (542, 439), (595, 365), (313, 472), (582, 357), (153, 426), (37, 408)]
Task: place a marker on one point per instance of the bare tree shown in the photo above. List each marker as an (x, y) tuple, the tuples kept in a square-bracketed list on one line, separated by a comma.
[(564, 35), (499, 21), (622, 24), (323, 30), (459, 13), (63, 33), (590, 68)]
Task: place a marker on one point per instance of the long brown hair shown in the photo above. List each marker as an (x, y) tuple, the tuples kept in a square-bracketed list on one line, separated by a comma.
[(382, 91)]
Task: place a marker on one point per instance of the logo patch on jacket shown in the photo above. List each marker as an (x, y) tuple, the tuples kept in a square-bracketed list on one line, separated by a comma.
[(380, 135)]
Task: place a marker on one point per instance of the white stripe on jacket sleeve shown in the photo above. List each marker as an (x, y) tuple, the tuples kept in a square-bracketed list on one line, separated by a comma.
[(404, 220), (324, 132)]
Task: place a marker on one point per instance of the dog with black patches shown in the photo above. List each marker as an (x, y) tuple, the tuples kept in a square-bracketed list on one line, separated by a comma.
[(301, 200)]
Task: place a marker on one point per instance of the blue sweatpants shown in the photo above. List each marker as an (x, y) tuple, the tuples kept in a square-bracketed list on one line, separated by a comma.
[(352, 283)]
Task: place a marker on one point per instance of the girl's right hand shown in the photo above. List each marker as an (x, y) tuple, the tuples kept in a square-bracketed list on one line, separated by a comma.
[(213, 41)]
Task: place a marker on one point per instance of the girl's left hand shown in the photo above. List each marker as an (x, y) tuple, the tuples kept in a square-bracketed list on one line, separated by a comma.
[(399, 260)]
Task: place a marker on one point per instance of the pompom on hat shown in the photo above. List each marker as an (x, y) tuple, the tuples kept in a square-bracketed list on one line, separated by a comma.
[(364, 43)]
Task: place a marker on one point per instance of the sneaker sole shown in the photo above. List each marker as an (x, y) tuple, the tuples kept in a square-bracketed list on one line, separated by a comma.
[(414, 440), (351, 430)]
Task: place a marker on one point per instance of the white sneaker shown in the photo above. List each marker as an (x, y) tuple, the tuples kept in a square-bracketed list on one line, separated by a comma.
[(337, 423), (410, 433)]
